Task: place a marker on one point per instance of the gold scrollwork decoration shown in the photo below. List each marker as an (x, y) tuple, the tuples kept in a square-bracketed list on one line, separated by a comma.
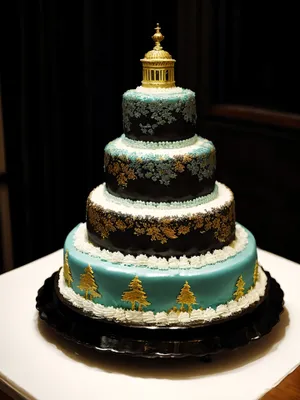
[(221, 223)]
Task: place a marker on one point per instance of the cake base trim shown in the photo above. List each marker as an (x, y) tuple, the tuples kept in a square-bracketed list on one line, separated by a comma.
[(82, 244), (179, 144), (159, 342), (181, 318)]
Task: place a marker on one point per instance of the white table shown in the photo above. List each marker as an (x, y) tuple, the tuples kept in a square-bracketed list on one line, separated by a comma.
[(35, 363)]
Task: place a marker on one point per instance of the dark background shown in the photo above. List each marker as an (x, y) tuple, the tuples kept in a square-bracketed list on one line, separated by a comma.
[(65, 65)]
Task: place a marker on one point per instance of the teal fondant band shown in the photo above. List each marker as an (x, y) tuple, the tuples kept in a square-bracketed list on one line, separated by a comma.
[(117, 147), (212, 285)]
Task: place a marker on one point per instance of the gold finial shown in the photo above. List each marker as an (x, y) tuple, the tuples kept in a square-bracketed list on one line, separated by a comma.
[(158, 37), (158, 65)]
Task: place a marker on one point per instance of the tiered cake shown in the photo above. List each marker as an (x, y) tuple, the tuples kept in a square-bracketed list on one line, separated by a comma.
[(160, 245)]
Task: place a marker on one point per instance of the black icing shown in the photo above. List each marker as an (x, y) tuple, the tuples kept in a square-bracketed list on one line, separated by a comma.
[(177, 130), (170, 236), (185, 187), (193, 244)]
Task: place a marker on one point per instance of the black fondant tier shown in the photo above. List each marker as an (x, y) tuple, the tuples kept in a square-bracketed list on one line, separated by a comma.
[(160, 175), (167, 115), (185, 187), (137, 233)]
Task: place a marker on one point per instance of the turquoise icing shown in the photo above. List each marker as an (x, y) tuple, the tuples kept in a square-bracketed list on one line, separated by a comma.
[(212, 285), (202, 149)]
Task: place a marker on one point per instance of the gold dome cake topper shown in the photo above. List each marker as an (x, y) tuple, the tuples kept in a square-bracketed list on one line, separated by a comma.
[(158, 65)]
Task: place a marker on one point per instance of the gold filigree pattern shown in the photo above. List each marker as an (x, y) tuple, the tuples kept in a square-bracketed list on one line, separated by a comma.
[(186, 297), (183, 230), (223, 225), (255, 276), (121, 226), (67, 271), (161, 170), (179, 166), (255, 272), (136, 295), (88, 284), (240, 288), (220, 222), (120, 169), (186, 158)]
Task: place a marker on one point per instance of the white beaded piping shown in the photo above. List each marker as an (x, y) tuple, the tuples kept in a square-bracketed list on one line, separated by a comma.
[(97, 197), (120, 146), (161, 205), (196, 317), (166, 91), (178, 144), (81, 243)]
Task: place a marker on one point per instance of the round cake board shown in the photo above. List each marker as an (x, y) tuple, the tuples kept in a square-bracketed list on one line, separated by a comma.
[(155, 341)]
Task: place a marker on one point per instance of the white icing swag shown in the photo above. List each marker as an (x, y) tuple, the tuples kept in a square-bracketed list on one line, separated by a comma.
[(162, 318), (138, 144), (99, 198), (151, 205)]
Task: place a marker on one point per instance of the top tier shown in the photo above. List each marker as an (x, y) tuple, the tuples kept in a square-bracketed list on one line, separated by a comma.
[(158, 110)]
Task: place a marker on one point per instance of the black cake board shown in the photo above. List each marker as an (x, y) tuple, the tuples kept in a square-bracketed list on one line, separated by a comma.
[(160, 342)]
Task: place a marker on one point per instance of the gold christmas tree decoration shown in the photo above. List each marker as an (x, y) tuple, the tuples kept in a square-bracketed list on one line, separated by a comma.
[(158, 65), (67, 271), (186, 297), (255, 273), (88, 284), (136, 294), (240, 291)]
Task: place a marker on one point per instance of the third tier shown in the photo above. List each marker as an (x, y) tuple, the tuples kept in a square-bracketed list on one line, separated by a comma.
[(160, 172), (176, 229)]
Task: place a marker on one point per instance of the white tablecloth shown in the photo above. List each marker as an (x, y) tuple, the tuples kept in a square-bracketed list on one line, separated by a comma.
[(38, 364)]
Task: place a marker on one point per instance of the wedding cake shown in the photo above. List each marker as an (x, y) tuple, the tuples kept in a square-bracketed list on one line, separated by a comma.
[(160, 245)]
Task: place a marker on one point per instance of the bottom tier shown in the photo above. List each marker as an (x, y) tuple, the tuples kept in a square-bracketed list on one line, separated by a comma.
[(108, 289)]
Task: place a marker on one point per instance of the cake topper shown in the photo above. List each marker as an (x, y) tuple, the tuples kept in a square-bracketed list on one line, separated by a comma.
[(158, 65), (158, 37)]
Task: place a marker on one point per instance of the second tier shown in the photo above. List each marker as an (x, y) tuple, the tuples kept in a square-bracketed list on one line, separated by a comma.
[(167, 230), (160, 172)]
